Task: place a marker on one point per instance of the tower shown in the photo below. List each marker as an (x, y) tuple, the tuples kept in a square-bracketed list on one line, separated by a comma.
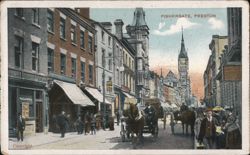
[(139, 40), (183, 67)]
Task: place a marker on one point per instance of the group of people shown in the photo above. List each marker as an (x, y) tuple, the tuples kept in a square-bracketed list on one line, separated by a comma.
[(89, 123), (218, 129)]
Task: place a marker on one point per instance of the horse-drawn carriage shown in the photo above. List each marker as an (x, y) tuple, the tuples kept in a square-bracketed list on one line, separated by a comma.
[(140, 119)]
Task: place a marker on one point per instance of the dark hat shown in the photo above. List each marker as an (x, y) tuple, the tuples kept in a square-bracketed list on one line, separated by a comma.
[(209, 109)]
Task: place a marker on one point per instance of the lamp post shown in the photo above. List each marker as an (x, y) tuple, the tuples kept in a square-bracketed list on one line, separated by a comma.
[(103, 87)]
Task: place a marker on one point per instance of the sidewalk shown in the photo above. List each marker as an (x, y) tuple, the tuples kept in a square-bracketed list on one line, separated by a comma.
[(42, 138)]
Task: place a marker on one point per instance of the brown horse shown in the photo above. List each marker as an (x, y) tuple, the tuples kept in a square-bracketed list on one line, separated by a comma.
[(135, 121), (187, 118)]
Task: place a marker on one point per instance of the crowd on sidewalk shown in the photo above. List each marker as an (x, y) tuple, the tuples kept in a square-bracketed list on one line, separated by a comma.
[(217, 129)]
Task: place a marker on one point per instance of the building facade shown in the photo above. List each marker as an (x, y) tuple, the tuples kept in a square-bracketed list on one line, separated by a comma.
[(104, 62), (230, 69), (183, 69), (27, 52), (172, 89), (70, 63), (124, 67), (138, 38), (216, 46)]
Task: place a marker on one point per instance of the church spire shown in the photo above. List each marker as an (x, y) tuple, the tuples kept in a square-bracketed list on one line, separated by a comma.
[(161, 71), (182, 40), (183, 53)]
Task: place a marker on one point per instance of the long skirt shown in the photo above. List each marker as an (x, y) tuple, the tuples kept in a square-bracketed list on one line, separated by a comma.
[(233, 139)]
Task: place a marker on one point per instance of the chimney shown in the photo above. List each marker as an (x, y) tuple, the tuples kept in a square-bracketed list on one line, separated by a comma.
[(84, 12), (107, 26), (118, 28)]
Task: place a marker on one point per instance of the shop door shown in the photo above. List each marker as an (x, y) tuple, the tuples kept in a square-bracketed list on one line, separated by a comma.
[(39, 117)]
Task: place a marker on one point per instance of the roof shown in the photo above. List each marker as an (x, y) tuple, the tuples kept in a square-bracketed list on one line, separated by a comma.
[(74, 93), (96, 94), (183, 52), (139, 18)]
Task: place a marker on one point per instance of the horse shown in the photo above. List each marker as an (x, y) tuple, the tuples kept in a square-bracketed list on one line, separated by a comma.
[(135, 121), (187, 118)]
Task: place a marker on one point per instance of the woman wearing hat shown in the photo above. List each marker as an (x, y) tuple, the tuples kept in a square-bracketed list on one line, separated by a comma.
[(233, 135)]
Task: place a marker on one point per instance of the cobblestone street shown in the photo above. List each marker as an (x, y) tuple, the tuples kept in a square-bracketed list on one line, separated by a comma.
[(106, 140)]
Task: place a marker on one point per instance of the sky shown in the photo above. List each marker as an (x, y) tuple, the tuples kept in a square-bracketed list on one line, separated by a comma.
[(165, 36)]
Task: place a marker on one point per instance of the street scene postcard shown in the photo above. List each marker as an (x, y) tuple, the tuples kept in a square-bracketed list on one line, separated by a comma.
[(125, 77)]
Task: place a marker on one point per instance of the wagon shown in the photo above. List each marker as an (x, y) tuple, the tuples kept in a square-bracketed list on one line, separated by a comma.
[(151, 126)]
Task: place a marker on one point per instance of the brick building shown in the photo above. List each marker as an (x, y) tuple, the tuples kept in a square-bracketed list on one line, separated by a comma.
[(71, 62)]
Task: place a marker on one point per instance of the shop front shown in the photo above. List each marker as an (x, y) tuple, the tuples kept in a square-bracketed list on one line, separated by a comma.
[(67, 97), (27, 96)]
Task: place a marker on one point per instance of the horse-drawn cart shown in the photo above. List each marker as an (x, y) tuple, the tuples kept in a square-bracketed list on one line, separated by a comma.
[(153, 111), (137, 119)]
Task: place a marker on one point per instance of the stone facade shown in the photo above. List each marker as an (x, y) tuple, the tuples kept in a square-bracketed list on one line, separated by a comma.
[(230, 70), (27, 65), (138, 37)]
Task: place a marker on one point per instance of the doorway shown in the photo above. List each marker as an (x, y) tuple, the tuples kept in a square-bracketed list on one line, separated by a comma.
[(39, 117)]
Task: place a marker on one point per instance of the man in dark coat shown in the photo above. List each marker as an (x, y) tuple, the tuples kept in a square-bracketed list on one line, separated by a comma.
[(20, 127), (207, 132), (79, 125), (62, 123), (150, 116)]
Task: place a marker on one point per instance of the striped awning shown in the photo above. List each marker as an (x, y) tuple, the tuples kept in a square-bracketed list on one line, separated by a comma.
[(96, 94)]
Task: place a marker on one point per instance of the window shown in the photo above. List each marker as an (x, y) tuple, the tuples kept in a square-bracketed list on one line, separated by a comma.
[(90, 44), (63, 64), (110, 61), (35, 13), (50, 60), (102, 36), (73, 33), (19, 12), (129, 62), (109, 41), (62, 28), (126, 62), (83, 71), (18, 51), (73, 67), (82, 39), (35, 54), (103, 58), (109, 85), (91, 74), (50, 18)]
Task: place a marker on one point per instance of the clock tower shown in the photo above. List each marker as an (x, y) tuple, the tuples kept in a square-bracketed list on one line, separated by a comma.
[(183, 67)]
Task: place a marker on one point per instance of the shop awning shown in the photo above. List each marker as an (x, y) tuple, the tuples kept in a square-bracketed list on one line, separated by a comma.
[(74, 93), (128, 95), (96, 94)]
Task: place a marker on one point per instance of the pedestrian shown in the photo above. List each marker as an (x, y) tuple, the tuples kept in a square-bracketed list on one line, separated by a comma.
[(20, 127), (86, 122), (79, 125), (118, 117), (93, 124), (207, 133), (62, 123), (233, 135)]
